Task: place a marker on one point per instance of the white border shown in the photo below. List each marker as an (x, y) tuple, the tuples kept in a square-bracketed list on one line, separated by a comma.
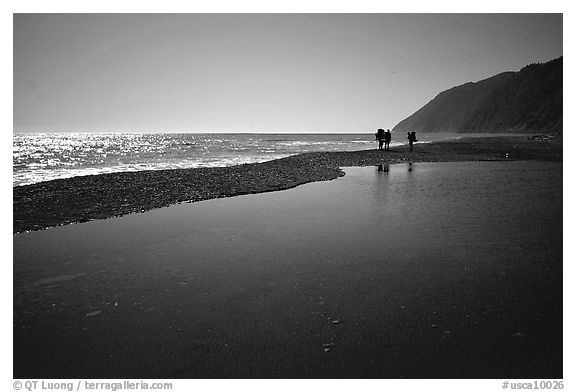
[(248, 6)]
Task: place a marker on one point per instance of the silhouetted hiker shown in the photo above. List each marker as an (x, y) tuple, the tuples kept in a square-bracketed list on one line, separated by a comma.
[(387, 139), (411, 140), (380, 138)]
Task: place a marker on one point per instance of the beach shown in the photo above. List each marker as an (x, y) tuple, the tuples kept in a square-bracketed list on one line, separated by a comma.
[(449, 265), (85, 198)]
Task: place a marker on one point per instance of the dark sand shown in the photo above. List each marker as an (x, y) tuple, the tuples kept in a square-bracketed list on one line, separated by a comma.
[(86, 198), (371, 276)]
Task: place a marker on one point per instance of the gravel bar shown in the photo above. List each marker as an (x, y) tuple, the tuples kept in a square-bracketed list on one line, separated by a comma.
[(80, 199)]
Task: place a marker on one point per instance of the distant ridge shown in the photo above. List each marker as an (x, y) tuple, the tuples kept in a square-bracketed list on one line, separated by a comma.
[(529, 100)]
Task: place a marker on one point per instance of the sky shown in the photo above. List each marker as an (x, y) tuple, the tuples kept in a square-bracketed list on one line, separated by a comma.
[(265, 73)]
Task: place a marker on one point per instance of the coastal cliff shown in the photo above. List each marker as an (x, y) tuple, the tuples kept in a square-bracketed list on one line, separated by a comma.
[(526, 101)]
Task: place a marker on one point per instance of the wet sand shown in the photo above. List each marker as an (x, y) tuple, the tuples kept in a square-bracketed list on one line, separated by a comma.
[(87, 198), (445, 271)]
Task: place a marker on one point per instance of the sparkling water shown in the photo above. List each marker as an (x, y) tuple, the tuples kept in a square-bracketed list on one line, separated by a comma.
[(47, 156)]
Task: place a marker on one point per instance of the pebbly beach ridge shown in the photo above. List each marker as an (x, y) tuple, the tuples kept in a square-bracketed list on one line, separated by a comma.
[(80, 199)]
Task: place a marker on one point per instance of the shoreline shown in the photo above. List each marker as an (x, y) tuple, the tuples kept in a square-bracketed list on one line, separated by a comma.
[(81, 199), (380, 276)]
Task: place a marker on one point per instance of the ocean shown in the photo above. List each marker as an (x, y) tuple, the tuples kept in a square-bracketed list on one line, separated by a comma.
[(41, 157)]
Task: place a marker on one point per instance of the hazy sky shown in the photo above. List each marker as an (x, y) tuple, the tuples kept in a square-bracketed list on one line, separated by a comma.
[(257, 72)]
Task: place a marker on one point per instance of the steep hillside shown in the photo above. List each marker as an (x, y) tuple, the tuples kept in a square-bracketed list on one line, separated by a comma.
[(526, 101)]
